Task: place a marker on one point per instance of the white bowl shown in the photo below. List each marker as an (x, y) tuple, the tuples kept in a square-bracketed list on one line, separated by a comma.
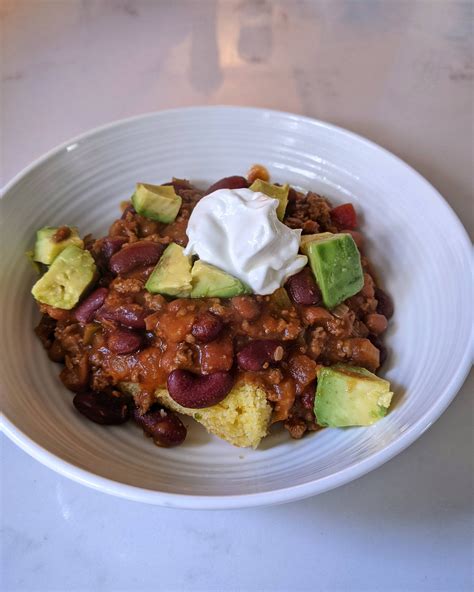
[(416, 242)]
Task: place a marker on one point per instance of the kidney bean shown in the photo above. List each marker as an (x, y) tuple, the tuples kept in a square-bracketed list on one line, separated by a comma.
[(384, 303), (102, 408), (129, 209), (136, 255), (162, 425), (123, 341), (129, 315), (111, 245), (303, 289), (234, 182), (84, 313), (257, 355), (308, 396), (207, 327), (198, 391)]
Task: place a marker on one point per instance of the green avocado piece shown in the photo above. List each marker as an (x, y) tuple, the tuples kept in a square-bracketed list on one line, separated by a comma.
[(335, 262), (172, 274), (157, 202), (275, 191), (350, 396), (69, 275), (47, 249), (210, 282)]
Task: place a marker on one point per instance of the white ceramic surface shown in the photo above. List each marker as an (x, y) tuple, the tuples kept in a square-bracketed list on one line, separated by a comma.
[(416, 242)]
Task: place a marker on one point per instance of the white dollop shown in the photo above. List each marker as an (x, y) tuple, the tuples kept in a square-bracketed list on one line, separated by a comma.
[(238, 230)]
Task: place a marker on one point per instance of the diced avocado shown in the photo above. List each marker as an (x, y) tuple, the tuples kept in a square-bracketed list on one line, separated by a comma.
[(157, 202), (275, 191), (350, 396), (210, 282), (172, 274), (309, 238), (335, 262), (69, 275), (47, 247)]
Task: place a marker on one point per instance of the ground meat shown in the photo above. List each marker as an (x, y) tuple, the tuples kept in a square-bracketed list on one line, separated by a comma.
[(311, 213)]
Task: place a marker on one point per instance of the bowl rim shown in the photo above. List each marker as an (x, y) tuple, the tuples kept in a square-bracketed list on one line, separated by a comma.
[(276, 496)]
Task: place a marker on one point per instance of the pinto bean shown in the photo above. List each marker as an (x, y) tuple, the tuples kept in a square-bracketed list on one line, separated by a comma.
[(376, 323), (303, 289), (257, 355), (162, 425), (234, 182), (102, 408), (138, 254), (84, 313), (198, 391)]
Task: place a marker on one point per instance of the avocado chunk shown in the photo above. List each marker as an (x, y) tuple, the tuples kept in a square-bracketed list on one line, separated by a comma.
[(69, 275), (309, 238), (210, 282), (157, 202), (335, 262), (172, 274), (350, 396), (47, 245), (275, 191)]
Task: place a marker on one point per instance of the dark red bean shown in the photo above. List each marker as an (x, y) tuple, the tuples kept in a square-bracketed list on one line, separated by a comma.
[(303, 289), (198, 391), (384, 303), (56, 352), (207, 327), (124, 341), (162, 425), (308, 396), (257, 355), (84, 313), (102, 408), (111, 245), (129, 209), (129, 315), (138, 254), (234, 182)]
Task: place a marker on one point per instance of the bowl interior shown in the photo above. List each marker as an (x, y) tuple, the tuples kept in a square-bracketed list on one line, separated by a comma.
[(418, 248)]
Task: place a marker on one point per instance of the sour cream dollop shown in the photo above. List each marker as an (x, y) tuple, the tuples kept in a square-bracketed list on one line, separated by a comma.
[(238, 231)]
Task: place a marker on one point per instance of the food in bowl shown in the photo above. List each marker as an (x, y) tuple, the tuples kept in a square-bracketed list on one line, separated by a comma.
[(243, 306)]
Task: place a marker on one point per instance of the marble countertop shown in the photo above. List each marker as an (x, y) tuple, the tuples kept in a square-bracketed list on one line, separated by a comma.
[(400, 73)]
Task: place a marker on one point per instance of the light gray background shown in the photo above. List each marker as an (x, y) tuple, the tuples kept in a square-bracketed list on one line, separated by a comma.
[(397, 72)]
